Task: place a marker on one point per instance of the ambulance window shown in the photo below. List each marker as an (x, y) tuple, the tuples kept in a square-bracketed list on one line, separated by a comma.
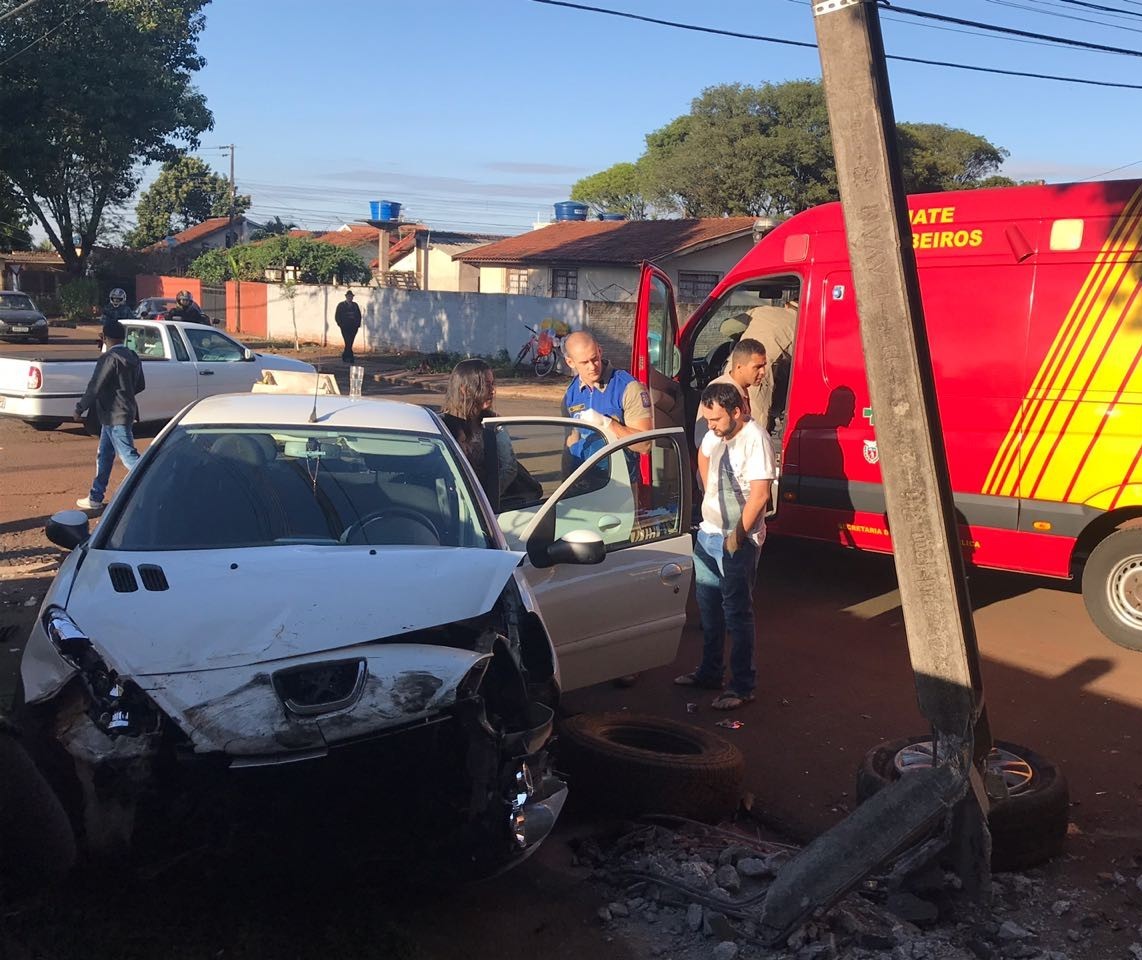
[(661, 334), (767, 308)]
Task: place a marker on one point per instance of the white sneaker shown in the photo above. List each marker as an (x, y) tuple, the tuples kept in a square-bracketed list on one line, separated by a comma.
[(86, 503)]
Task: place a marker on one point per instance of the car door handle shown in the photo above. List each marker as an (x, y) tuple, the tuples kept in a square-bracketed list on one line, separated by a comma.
[(206, 373), (609, 521), (670, 572)]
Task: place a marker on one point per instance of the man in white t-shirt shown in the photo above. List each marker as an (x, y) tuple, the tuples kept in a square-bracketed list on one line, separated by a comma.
[(736, 468)]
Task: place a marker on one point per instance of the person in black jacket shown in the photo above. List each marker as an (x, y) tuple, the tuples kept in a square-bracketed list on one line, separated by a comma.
[(348, 318), (116, 309), (186, 309), (117, 379)]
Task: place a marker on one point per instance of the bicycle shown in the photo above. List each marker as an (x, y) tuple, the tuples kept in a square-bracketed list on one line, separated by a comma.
[(544, 348)]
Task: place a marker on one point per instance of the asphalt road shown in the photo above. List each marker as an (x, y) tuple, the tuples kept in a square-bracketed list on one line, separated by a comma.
[(835, 677)]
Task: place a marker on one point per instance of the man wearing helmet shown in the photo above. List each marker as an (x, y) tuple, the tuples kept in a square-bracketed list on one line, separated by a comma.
[(186, 309), (116, 309)]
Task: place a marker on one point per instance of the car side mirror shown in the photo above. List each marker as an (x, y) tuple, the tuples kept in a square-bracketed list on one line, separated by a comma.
[(68, 529), (579, 547), (248, 355)]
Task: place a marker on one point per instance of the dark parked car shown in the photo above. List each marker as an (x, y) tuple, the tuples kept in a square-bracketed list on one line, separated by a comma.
[(19, 317), (154, 308)]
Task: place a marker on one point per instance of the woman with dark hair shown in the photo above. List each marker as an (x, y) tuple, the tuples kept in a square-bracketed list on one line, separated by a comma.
[(467, 401)]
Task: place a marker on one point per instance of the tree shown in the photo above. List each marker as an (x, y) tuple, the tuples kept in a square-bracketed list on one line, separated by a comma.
[(88, 94), (618, 189), (316, 262), (272, 228), (751, 151), (185, 192), (13, 221), (938, 158)]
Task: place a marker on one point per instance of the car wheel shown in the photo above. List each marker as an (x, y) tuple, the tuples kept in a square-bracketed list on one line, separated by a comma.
[(1112, 587), (37, 845), (633, 764), (44, 425), (1028, 827)]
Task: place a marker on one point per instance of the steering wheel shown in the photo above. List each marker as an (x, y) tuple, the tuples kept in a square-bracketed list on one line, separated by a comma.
[(405, 533)]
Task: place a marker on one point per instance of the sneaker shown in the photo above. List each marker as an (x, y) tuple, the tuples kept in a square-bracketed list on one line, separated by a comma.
[(86, 503), (729, 700)]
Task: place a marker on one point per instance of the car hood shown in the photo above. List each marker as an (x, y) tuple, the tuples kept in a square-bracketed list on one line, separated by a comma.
[(271, 361), (19, 316), (240, 607)]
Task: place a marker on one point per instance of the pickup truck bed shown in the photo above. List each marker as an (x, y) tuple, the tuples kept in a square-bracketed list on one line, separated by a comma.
[(182, 362)]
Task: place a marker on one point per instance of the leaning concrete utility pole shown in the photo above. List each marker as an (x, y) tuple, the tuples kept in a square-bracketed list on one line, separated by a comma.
[(918, 496)]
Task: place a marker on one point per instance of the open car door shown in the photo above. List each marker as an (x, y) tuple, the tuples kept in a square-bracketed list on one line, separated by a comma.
[(655, 359), (570, 485)]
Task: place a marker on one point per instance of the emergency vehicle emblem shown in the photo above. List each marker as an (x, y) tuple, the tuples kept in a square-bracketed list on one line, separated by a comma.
[(871, 453)]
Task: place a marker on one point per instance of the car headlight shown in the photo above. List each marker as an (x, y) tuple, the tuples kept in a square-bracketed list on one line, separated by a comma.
[(40, 322), (117, 707)]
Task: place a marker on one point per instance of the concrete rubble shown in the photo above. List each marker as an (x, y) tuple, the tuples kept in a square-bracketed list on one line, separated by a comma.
[(687, 891)]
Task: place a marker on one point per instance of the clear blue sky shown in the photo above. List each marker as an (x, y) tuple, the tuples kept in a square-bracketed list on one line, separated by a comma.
[(479, 114)]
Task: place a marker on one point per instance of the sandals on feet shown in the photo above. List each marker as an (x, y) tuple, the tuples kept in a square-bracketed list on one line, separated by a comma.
[(696, 680), (729, 700)]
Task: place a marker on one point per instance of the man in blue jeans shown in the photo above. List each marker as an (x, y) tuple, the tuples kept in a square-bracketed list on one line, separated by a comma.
[(118, 377), (736, 468)]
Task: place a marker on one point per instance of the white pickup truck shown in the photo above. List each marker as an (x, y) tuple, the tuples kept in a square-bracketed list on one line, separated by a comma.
[(182, 362)]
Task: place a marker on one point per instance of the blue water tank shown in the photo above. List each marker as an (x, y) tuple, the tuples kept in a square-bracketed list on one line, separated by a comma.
[(612, 216), (384, 210), (571, 210)]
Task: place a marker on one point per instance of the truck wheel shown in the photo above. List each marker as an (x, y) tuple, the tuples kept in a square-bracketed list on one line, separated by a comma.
[(1112, 587), (631, 764), (44, 425), (1028, 827)]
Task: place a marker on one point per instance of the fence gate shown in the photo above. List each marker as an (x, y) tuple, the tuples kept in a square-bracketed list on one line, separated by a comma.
[(214, 302)]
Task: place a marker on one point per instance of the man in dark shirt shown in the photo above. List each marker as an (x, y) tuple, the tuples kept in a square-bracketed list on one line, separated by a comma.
[(118, 377), (186, 309), (116, 308), (348, 318)]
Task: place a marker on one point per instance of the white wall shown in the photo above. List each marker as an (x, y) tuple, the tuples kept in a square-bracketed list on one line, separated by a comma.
[(426, 321)]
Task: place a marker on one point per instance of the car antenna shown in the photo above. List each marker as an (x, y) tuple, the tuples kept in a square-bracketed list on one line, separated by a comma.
[(316, 386)]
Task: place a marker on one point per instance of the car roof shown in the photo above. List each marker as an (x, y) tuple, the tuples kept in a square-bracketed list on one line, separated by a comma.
[(293, 410)]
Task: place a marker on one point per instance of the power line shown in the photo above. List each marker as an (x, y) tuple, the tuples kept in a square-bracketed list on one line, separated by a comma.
[(797, 43), (1062, 41), (13, 12), (1064, 16), (1104, 173), (1099, 6), (71, 16)]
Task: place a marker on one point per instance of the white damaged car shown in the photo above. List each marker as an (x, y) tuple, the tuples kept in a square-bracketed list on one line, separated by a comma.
[(321, 588)]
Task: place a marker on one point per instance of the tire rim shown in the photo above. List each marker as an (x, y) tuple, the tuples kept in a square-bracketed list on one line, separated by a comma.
[(1124, 591), (1017, 774)]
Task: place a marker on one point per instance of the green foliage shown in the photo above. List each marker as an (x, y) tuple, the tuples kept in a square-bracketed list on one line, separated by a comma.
[(185, 192), (78, 298), (273, 228), (317, 262), (443, 362), (618, 189), (938, 158), (13, 220), (93, 98), (766, 150)]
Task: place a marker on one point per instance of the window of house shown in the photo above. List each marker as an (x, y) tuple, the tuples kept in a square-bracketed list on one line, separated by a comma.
[(517, 279), (565, 283), (695, 286)]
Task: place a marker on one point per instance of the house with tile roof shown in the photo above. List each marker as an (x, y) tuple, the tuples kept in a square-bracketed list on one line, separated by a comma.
[(599, 259), (186, 245), (37, 273), (431, 255)]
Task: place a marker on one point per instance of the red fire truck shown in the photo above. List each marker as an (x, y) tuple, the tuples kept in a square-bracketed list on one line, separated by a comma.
[(1034, 319)]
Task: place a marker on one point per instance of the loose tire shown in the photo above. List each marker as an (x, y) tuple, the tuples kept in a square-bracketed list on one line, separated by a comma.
[(633, 764), (37, 845), (544, 365), (1027, 828), (1112, 587)]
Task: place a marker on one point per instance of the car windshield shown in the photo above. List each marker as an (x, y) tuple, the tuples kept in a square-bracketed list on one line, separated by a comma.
[(216, 486), (15, 301)]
